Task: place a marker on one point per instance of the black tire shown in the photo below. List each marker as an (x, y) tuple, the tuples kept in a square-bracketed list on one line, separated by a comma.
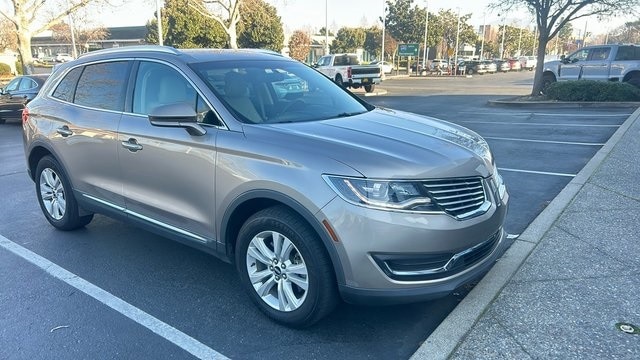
[(470, 71), (2, 121), (633, 80), (64, 213), (320, 297), (369, 88), (547, 79), (339, 81)]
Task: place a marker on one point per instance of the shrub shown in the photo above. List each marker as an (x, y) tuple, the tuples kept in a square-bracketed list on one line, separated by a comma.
[(19, 66), (591, 90), (5, 69)]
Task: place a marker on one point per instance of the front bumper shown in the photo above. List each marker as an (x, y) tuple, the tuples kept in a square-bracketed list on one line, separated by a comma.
[(397, 257)]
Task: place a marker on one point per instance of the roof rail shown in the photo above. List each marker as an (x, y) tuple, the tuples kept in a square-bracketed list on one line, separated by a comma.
[(156, 48)]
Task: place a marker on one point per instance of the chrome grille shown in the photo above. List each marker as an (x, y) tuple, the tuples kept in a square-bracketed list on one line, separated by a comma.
[(461, 197)]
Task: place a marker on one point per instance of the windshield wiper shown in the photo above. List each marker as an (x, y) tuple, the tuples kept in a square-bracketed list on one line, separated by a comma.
[(347, 114)]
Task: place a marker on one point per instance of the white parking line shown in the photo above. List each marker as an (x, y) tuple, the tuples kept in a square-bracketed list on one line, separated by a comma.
[(510, 113), (543, 141), (159, 327), (538, 124), (536, 172)]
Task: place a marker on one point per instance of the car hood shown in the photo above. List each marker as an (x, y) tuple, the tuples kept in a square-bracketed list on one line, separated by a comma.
[(386, 143)]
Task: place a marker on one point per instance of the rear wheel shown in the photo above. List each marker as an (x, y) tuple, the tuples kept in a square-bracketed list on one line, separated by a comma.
[(339, 80), (284, 267), (369, 88), (56, 196), (470, 71), (547, 80)]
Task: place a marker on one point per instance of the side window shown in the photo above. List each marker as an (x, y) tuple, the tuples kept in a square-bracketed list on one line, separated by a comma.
[(13, 85), (103, 85), (67, 86), (579, 55), (158, 84), (597, 54), (628, 53), (27, 84)]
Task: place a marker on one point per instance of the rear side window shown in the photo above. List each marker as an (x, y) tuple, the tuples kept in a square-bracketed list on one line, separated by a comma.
[(626, 53), (66, 87), (103, 85)]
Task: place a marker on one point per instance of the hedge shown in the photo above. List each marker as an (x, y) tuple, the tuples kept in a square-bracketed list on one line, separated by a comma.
[(5, 69), (591, 90)]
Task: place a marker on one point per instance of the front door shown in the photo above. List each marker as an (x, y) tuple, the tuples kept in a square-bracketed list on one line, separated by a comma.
[(168, 175)]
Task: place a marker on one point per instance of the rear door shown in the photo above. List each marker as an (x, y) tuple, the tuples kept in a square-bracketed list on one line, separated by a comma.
[(597, 65), (168, 174), (85, 122)]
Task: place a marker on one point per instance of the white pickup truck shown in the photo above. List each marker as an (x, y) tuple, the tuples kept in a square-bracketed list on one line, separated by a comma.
[(345, 70), (597, 62)]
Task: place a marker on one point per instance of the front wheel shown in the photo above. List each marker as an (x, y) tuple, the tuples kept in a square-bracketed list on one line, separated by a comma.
[(56, 196), (284, 267), (369, 88)]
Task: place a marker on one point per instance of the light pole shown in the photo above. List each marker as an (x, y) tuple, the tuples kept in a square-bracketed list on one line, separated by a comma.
[(384, 19), (484, 27), (158, 9), (455, 62), (425, 52), (504, 28), (326, 27), (520, 42)]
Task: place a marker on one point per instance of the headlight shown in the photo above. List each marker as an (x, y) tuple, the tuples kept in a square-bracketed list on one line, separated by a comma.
[(502, 188), (384, 194)]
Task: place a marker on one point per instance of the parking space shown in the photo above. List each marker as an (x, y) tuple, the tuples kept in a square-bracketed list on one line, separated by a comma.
[(538, 152)]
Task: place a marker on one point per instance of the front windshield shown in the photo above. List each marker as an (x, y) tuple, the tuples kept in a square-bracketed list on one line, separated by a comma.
[(277, 91)]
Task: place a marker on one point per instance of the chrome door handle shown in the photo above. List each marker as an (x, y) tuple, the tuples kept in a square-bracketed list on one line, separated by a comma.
[(64, 131), (132, 145)]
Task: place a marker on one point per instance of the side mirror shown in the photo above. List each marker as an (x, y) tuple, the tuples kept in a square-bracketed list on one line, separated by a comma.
[(180, 115), (316, 65)]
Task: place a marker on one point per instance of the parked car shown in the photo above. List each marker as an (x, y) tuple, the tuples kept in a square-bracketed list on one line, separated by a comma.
[(490, 66), (528, 62), (515, 64), (503, 65), (620, 63), (63, 57), (439, 65), (472, 67), (314, 198), (346, 71), (386, 66), (17, 94)]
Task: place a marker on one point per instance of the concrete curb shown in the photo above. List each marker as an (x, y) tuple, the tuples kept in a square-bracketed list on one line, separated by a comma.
[(445, 339), (360, 92), (512, 102)]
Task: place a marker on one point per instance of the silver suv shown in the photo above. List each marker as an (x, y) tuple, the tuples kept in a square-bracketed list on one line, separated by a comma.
[(264, 162)]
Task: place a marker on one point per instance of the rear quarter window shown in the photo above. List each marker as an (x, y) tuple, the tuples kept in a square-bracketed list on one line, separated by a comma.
[(103, 85), (628, 53), (67, 85)]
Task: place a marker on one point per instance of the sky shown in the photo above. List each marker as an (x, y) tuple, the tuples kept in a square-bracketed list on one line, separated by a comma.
[(310, 14)]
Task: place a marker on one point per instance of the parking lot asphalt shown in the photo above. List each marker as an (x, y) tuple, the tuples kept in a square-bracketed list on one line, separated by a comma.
[(538, 152)]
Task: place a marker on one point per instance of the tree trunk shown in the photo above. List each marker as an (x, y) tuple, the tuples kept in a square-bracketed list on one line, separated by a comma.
[(233, 37), (24, 49), (543, 39)]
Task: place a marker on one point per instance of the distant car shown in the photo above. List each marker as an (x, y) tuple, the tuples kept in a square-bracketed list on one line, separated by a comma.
[(45, 59), (385, 65), (472, 67), (62, 57), (503, 65), (17, 94), (490, 66), (439, 65), (515, 64), (528, 62)]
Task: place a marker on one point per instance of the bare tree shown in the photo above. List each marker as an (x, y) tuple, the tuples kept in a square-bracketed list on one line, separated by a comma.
[(552, 15), (27, 18), (8, 38), (83, 35), (225, 12)]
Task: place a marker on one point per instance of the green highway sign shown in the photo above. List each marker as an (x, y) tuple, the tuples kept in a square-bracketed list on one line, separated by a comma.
[(408, 49)]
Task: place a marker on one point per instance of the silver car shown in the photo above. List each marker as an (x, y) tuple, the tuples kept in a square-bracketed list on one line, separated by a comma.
[(312, 193)]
